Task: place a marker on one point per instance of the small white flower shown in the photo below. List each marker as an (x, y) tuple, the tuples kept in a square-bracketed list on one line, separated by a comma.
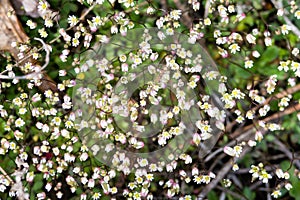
[(251, 39), (43, 6), (280, 12), (235, 167), (175, 14), (207, 22), (43, 33), (268, 41), (72, 20), (256, 54), (297, 14), (31, 24), (114, 29), (276, 194), (288, 186), (19, 122), (48, 23), (234, 48), (285, 29), (248, 64), (75, 42), (295, 51)]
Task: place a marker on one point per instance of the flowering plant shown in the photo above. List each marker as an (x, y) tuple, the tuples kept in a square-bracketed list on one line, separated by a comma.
[(113, 99)]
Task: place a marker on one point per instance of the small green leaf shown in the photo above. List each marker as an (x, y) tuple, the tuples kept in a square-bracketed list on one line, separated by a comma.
[(212, 195), (249, 194)]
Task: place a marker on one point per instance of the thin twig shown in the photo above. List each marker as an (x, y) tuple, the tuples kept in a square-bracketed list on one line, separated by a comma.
[(243, 135), (279, 95), (268, 192), (287, 152), (222, 173), (6, 175), (238, 196), (287, 111), (207, 7), (213, 154)]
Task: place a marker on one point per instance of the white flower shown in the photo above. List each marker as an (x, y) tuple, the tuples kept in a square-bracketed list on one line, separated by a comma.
[(234, 48), (222, 11), (288, 186), (150, 10), (297, 14), (295, 51), (284, 65), (196, 6), (256, 54), (31, 24), (143, 162), (264, 176), (248, 64), (123, 58), (43, 33), (268, 41), (227, 182), (207, 22), (251, 39), (99, 1), (280, 12), (235, 151), (295, 66), (175, 14), (276, 194), (279, 173), (41, 195), (72, 20), (160, 23), (75, 42), (231, 9), (217, 33), (91, 183), (114, 29), (235, 167), (229, 151), (43, 6), (48, 23), (285, 29), (19, 122)]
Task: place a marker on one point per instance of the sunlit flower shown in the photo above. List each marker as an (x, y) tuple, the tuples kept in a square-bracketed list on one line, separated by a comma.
[(276, 194), (43, 6), (285, 29), (297, 14), (72, 20), (234, 48), (31, 24), (19, 122)]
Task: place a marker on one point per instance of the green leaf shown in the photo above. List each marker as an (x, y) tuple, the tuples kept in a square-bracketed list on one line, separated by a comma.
[(295, 191), (249, 194), (270, 138), (38, 183), (248, 21), (270, 54), (212, 195), (257, 4)]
